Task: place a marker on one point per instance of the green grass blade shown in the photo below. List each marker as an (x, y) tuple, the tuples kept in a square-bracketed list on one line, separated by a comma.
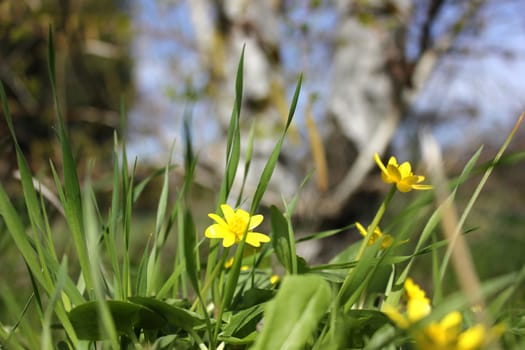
[(476, 193), (232, 162), (46, 340), (266, 175), (357, 279), (17, 231), (233, 143), (247, 163), (93, 237), (73, 201), (272, 160), (20, 316), (430, 227), (112, 230), (30, 196), (189, 244)]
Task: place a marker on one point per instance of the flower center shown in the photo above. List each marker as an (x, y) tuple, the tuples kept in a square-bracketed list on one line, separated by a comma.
[(238, 226)]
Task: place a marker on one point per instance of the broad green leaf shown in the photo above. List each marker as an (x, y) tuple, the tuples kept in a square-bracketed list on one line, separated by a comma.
[(174, 315), (360, 325), (280, 240), (127, 317), (189, 243), (293, 316), (252, 297)]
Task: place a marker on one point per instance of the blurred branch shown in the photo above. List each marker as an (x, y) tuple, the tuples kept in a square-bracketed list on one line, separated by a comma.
[(333, 204), (431, 50), (19, 88)]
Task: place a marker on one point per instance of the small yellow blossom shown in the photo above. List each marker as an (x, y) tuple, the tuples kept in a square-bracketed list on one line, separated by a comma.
[(446, 334), (274, 279), (472, 338), (417, 309), (441, 334), (234, 225), (413, 291), (418, 306), (229, 263), (377, 234), (400, 175)]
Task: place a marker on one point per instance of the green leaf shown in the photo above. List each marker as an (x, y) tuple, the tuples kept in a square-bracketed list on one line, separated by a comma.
[(242, 324), (253, 296), (189, 243), (274, 156), (127, 317), (361, 325), (280, 240), (175, 316), (72, 198), (359, 277), (293, 316)]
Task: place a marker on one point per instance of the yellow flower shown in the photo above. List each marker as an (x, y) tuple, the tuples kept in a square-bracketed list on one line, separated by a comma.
[(234, 225), (472, 338), (418, 306), (417, 309), (438, 335), (443, 335), (401, 175), (274, 279), (413, 291), (377, 234)]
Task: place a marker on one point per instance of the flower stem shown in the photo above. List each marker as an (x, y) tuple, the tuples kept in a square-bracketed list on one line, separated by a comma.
[(379, 215)]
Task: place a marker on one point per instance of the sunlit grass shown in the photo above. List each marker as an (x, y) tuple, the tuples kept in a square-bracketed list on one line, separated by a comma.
[(114, 279)]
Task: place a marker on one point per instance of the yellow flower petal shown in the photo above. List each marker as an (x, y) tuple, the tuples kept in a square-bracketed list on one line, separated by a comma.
[(255, 221), (234, 225), (396, 317), (229, 263), (214, 231), (361, 229), (380, 163), (413, 291), (218, 219), (405, 169), (452, 320), (417, 309), (403, 186), (400, 175), (274, 279), (472, 338), (228, 241), (422, 187), (228, 212), (393, 161), (255, 239)]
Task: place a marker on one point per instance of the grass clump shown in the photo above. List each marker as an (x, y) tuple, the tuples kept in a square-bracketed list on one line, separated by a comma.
[(363, 298)]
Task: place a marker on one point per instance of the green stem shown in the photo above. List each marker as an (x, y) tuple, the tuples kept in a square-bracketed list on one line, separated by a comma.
[(379, 215)]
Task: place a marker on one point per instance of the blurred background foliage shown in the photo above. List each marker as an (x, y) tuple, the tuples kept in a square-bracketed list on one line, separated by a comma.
[(93, 71)]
